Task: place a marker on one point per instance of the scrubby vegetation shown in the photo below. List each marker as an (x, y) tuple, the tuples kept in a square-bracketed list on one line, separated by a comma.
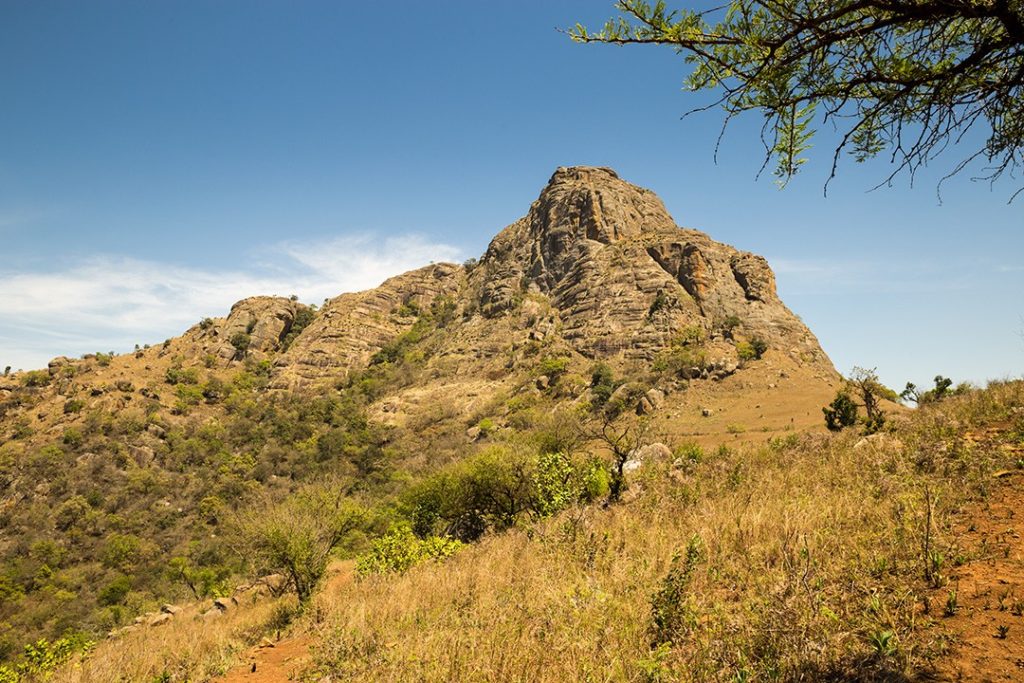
[(802, 559)]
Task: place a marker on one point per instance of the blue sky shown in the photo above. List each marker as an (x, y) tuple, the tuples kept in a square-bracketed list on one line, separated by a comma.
[(161, 160)]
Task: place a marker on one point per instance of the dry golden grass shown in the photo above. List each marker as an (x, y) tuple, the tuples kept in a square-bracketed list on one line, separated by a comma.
[(186, 648), (812, 569)]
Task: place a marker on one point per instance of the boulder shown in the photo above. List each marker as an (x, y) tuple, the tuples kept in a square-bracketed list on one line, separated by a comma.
[(224, 604), (160, 619), (55, 365), (650, 402), (653, 451)]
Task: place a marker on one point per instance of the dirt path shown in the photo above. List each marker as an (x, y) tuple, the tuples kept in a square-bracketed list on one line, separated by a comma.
[(271, 662), (280, 661), (988, 621)]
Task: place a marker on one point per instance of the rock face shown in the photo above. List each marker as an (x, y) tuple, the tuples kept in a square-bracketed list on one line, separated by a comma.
[(265, 320), (623, 277), (597, 267), (351, 327)]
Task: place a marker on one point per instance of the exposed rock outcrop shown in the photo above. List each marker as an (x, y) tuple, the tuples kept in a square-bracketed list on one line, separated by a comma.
[(597, 265), (623, 277), (351, 327)]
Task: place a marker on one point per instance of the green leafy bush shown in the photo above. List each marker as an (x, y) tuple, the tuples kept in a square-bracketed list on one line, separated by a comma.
[(115, 592), (400, 549), (602, 384), (297, 536), (553, 368), (179, 375), (751, 350), (241, 341), (493, 490), (672, 612), (35, 378), (841, 413), (304, 315)]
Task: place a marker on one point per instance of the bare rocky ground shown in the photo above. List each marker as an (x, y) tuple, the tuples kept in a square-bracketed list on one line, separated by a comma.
[(983, 602)]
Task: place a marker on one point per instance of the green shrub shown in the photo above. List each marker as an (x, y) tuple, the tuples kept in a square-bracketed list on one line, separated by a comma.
[(672, 611), (400, 549), (35, 378), (72, 437), (493, 490), (486, 426), (40, 658), (179, 375), (841, 413), (304, 315), (241, 341), (730, 323), (115, 592), (73, 405), (760, 346), (602, 384), (751, 350), (689, 451), (297, 536), (188, 395), (681, 360), (689, 335), (661, 301), (553, 368)]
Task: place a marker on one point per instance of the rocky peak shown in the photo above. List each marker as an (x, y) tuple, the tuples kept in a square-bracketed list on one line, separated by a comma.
[(622, 277), (583, 202), (581, 207)]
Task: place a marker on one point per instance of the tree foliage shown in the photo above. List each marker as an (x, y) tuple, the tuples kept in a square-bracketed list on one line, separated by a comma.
[(841, 413), (909, 77), (297, 536)]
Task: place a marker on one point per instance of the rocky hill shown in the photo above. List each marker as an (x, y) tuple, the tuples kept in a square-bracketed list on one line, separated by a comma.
[(115, 471)]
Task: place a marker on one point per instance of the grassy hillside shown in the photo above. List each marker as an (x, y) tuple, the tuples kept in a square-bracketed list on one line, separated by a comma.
[(809, 557)]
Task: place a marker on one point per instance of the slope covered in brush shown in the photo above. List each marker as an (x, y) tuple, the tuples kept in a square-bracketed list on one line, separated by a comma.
[(118, 471)]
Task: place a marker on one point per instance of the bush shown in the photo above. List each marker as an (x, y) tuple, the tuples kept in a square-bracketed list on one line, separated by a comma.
[(745, 351), (752, 350), (493, 490), (553, 368), (35, 378), (297, 536), (73, 405), (841, 413), (241, 341), (400, 549), (304, 315), (115, 592), (681, 360), (661, 301), (729, 325), (179, 375), (602, 384), (486, 426), (672, 612)]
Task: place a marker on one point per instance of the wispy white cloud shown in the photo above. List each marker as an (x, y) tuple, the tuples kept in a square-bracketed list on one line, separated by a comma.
[(875, 277), (111, 302)]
